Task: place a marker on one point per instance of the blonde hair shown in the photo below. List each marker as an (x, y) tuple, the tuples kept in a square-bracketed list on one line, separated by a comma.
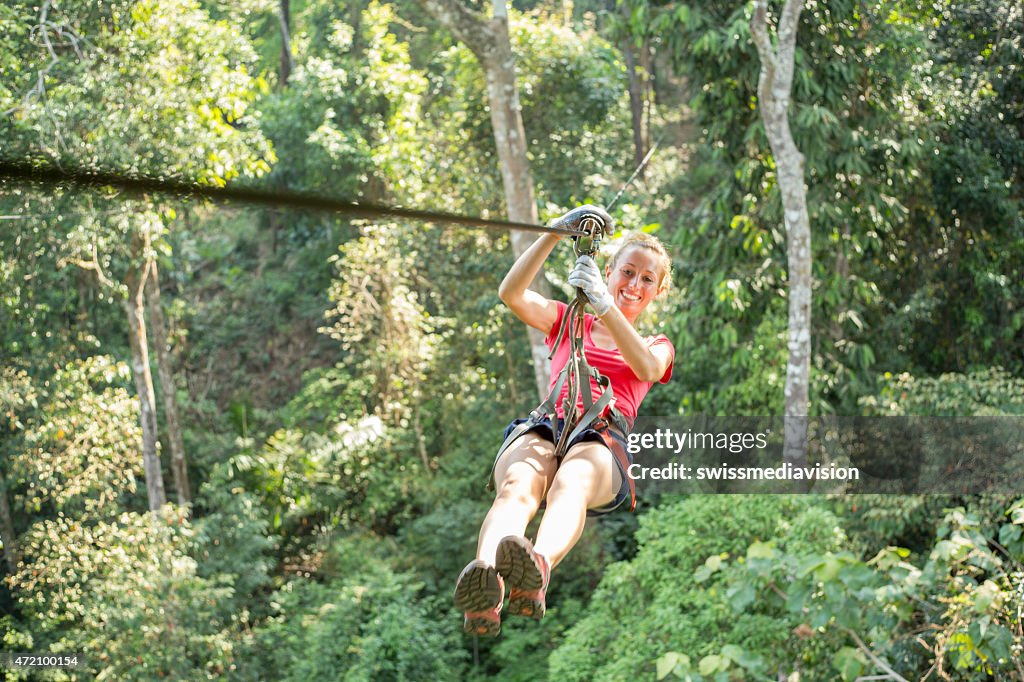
[(651, 243)]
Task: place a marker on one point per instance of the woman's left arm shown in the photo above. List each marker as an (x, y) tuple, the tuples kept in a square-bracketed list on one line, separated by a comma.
[(649, 363)]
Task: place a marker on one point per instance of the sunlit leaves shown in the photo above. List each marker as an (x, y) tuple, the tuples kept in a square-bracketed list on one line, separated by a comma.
[(126, 593), (82, 448), (872, 611)]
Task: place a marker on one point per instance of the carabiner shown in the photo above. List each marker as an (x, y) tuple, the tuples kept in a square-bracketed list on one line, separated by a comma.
[(591, 228)]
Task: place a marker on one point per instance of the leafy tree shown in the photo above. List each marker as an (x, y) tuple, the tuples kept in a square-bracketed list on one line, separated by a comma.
[(488, 39), (65, 458), (864, 83), (125, 592), (575, 72), (904, 616), (113, 114)]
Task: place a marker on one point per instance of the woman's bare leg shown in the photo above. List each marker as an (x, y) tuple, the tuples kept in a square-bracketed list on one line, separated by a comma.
[(587, 478), (521, 477)]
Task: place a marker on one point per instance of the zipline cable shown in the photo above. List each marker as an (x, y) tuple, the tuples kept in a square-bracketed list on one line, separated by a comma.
[(142, 184), (640, 167)]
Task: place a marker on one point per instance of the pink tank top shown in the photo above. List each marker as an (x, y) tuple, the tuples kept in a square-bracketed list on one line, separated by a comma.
[(629, 391)]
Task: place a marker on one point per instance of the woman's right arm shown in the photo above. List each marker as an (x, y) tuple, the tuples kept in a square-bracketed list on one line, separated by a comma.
[(529, 306)]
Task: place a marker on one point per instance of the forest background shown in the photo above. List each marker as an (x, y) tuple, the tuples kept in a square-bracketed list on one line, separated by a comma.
[(328, 393)]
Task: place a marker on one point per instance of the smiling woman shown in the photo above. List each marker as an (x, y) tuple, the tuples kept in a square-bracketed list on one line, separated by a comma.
[(588, 475)]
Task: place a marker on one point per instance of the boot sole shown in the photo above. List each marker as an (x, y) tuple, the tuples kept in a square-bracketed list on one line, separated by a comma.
[(516, 565), (478, 588)]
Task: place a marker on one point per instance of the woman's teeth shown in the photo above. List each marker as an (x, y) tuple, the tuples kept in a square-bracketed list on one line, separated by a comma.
[(628, 297)]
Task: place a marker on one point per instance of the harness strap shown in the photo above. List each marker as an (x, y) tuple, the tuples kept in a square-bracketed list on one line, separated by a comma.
[(569, 311), (595, 410), (601, 426), (538, 414)]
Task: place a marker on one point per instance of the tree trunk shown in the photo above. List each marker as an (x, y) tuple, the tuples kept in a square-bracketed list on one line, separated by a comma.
[(773, 93), (647, 93), (135, 306), (636, 99), (488, 39), (516, 176), (179, 468), (285, 19), (842, 271), (7, 536)]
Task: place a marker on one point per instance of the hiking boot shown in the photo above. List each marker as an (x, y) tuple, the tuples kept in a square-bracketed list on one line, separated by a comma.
[(479, 593), (527, 573)]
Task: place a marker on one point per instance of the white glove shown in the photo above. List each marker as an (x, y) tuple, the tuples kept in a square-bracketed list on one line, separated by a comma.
[(587, 277)]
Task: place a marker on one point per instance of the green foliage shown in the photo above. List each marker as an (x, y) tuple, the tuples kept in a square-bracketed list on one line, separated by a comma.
[(944, 608), (378, 311), (367, 623), (714, 595), (114, 112), (126, 593), (661, 601), (327, 396), (231, 542), (991, 392), (559, 68), (340, 475), (874, 521), (232, 282), (906, 197), (359, 474), (134, 87), (78, 452), (345, 121)]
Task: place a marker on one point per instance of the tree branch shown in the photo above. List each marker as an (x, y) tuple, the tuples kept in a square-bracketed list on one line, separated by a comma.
[(891, 674), (769, 58), (68, 36), (93, 265), (786, 31), (789, 21), (775, 588), (759, 32)]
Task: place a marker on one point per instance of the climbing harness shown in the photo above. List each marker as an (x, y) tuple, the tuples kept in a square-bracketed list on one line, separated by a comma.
[(588, 230), (597, 414)]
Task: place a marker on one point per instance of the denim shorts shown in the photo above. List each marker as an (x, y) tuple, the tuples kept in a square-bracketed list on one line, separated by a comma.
[(544, 429)]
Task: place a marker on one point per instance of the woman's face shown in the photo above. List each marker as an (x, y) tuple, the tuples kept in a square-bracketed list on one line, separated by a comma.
[(635, 280)]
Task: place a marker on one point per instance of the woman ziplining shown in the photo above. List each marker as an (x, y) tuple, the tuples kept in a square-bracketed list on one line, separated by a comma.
[(578, 470)]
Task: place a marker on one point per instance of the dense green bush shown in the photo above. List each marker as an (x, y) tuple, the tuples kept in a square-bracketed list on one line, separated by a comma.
[(986, 393), (667, 600), (950, 608), (128, 595), (365, 622)]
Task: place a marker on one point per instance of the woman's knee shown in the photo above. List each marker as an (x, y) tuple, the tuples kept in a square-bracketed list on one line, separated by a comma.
[(519, 486), (528, 464), (573, 478), (586, 472)]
